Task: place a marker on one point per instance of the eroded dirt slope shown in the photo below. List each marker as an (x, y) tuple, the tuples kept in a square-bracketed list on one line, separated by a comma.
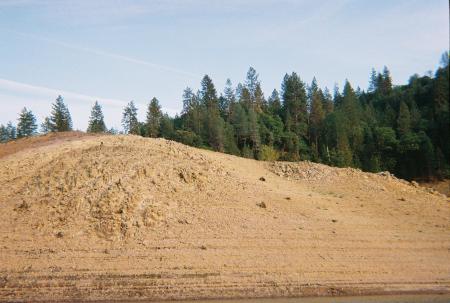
[(124, 217)]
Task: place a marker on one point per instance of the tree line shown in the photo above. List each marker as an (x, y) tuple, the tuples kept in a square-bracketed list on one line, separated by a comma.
[(402, 129)]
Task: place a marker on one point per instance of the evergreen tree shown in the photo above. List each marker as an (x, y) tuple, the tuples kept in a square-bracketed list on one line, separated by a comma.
[(260, 102), (229, 92), (239, 89), (373, 82), (239, 120), (328, 105), (154, 116), (3, 134), (230, 144), (96, 121), (192, 112), (214, 124), (46, 126), (317, 115), (350, 105), (27, 124), (253, 128), (344, 154), (415, 115), (388, 116), (130, 121), (188, 97), (386, 83), (208, 94), (274, 103), (251, 83), (337, 97), (312, 89), (11, 131), (60, 119), (404, 119), (246, 98), (167, 128), (227, 100), (295, 105)]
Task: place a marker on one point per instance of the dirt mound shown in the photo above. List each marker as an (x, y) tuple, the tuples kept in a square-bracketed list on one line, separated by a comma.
[(312, 172), (305, 170), (442, 186), (113, 187), (130, 218), (42, 140)]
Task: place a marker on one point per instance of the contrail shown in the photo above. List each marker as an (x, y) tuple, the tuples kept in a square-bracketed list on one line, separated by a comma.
[(25, 88), (108, 54), (46, 91)]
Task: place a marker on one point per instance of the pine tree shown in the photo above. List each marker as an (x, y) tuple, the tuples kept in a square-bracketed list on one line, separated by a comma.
[(60, 119), (228, 92), (167, 129), (251, 83), (130, 121), (227, 100), (415, 115), (344, 152), (208, 93), (27, 124), (3, 134), (239, 120), (253, 129), (216, 136), (188, 96), (328, 104), (337, 97), (246, 98), (350, 105), (386, 82), (440, 131), (274, 103), (389, 116), (312, 89), (239, 89), (339, 152), (373, 82), (295, 105), (404, 119), (96, 121), (46, 126), (154, 116), (260, 102), (214, 124), (317, 115), (351, 111), (441, 91), (11, 131), (191, 113), (230, 145)]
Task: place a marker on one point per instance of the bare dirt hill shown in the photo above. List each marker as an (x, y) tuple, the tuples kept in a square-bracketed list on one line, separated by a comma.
[(124, 217)]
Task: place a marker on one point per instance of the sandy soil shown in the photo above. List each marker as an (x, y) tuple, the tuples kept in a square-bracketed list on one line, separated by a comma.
[(15, 146), (442, 186), (129, 218)]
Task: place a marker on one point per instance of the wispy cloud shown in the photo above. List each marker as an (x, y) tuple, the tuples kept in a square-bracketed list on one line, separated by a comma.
[(109, 55), (41, 91), (15, 95)]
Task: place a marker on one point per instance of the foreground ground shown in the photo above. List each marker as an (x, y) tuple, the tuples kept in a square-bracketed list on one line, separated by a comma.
[(123, 217)]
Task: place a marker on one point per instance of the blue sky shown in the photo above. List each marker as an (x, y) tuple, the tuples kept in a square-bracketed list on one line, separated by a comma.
[(115, 51)]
